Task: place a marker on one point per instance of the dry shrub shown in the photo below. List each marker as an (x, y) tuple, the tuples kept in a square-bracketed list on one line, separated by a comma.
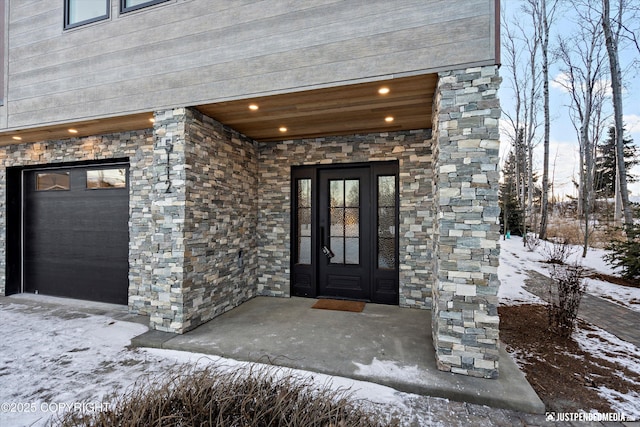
[(564, 300), (245, 397), (558, 252)]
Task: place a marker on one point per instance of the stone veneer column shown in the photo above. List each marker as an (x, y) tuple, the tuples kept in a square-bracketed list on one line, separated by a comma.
[(168, 204), (465, 317)]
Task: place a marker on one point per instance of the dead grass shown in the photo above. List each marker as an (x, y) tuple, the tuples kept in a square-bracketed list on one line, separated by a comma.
[(244, 397), (572, 231)]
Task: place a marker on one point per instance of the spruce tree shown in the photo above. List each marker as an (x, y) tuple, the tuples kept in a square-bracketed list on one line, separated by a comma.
[(605, 182)]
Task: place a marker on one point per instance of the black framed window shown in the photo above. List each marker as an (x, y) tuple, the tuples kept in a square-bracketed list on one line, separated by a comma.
[(131, 5), (81, 12)]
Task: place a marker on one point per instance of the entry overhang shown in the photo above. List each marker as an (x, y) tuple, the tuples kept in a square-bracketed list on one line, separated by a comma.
[(338, 110)]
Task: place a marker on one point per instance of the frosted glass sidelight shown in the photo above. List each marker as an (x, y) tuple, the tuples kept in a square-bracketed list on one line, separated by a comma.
[(304, 220), (386, 222)]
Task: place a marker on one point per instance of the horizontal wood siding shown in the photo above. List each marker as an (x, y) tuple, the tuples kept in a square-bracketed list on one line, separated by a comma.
[(190, 52)]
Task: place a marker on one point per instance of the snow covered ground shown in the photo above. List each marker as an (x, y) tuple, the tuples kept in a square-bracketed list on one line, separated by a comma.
[(52, 361), (54, 358), (612, 349), (515, 260), (51, 358)]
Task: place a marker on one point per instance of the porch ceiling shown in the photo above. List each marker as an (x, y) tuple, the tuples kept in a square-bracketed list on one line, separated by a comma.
[(357, 108), (340, 110), (78, 129)]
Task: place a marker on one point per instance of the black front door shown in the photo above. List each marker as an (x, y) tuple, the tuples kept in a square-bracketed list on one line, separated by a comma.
[(344, 229), (344, 220)]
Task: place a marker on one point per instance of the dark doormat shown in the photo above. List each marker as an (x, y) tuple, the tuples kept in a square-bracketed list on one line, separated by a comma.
[(338, 304)]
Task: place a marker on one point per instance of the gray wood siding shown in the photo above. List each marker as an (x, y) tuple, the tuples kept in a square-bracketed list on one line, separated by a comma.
[(189, 52)]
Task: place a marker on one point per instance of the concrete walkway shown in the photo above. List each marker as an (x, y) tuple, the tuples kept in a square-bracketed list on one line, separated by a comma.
[(384, 344), (613, 318), (422, 410)]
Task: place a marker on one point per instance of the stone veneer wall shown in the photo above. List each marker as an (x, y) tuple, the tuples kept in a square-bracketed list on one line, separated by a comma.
[(204, 215), (413, 151), (221, 219), (135, 145), (465, 318)]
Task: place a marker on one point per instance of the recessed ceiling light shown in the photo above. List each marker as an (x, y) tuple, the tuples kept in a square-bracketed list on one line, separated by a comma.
[(383, 90), (73, 130), (388, 119), (282, 129), (253, 107), (17, 138), (152, 120)]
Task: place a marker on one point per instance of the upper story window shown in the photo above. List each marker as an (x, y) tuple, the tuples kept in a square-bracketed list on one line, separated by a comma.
[(130, 5), (81, 12)]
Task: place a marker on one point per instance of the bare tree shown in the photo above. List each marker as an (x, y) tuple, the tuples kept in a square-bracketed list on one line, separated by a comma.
[(543, 18), (612, 27), (584, 71), (521, 46)]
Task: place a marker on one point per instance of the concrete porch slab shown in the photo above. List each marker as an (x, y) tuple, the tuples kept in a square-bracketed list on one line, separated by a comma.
[(383, 344)]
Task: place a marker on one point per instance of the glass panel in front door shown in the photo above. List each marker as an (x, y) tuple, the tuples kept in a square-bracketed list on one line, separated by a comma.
[(344, 214)]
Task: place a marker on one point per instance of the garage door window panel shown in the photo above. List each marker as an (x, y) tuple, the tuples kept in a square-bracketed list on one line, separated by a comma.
[(107, 178), (52, 181)]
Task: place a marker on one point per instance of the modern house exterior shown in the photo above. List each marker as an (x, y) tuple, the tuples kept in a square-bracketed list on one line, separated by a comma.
[(184, 156)]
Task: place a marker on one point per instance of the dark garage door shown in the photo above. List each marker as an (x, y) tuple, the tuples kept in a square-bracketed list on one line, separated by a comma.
[(76, 232)]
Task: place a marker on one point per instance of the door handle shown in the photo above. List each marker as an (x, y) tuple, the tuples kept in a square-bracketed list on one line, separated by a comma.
[(325, 250)]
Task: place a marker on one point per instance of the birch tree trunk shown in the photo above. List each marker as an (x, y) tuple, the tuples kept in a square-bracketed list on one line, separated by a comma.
[(611, 42), (583, 57), (544, 47)]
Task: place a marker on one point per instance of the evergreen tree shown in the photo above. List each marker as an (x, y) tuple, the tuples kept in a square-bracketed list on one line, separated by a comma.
[(605, 182), (511, 218), (625, 253)]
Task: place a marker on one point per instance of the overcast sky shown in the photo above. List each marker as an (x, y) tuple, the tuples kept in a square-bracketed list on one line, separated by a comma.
[(563, 142)]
